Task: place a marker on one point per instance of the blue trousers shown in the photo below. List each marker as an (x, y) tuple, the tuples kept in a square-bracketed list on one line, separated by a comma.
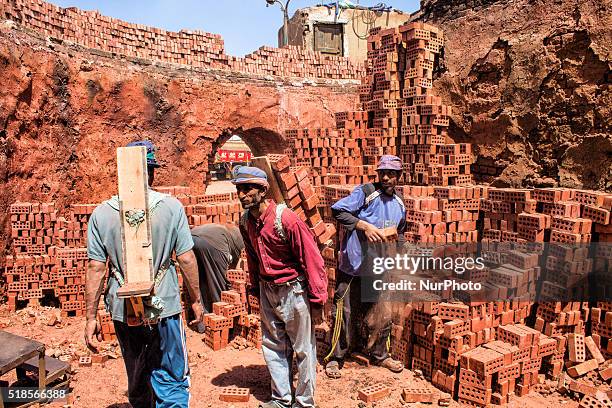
[(155, 360)]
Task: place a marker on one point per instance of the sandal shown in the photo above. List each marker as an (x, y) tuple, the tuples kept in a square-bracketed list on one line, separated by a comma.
[(392, 365), (332, 369)]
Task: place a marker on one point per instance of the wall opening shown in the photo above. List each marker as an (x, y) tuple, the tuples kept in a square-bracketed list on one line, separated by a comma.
[(236, 147)]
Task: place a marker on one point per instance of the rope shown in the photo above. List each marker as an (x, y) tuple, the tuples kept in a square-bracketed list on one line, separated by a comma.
[(135, 217), (337, 323)]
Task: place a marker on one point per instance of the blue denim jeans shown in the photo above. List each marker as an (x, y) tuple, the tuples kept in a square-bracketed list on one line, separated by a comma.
[(287, 329), (155, 359)]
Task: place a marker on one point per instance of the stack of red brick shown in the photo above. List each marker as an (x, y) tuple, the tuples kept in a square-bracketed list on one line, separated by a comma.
[(482, 353), (442, 214), (41, 266), (221, 210), (293, 61), (236, 312), (93, 30), (411, 121), (299, 195), (334, 156), (195, 48), (72, 232)]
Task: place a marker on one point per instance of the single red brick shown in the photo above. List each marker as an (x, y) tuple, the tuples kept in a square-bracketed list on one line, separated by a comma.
[(374, 393), (234, 394)]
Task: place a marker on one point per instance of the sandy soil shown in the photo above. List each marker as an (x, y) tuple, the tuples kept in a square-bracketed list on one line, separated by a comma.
[(105, 386)]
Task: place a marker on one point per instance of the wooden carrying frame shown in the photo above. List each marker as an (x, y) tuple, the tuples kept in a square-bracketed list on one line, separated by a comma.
[(136, 240), (274, 192)]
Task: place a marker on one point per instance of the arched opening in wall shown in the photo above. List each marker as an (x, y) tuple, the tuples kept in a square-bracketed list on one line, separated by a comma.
[(237, 147)]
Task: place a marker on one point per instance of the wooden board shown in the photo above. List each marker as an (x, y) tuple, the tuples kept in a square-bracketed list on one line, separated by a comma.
[(274, 192), (16, 350), (136, 239), (54, 368)]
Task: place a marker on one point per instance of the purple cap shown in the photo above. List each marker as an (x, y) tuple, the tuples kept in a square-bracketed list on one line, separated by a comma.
[(389, 162)]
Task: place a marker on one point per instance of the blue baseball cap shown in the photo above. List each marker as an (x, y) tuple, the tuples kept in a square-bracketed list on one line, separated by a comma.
[(249, 175), (151, 160)]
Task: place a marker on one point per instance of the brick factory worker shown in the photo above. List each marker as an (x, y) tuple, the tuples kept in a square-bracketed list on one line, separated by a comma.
[(364, 213), (286, 271), (217, 248), (154, 352)]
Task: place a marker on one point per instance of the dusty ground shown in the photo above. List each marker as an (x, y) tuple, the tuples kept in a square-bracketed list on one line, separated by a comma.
[(105, 386)]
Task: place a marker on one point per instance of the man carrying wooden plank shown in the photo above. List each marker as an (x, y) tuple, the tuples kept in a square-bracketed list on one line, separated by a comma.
[(217, 248), (287, 273), (368, 214), (154, 352)]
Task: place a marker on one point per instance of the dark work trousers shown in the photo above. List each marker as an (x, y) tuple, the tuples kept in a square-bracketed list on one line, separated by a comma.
[(155, 360), (212, 267), (354, 330)]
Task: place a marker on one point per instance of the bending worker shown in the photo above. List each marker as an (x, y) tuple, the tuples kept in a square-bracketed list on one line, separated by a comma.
[(217, 248)]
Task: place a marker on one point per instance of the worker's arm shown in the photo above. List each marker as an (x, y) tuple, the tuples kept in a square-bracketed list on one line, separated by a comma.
[(187, 261), (306, 252), (189, 268), (346, 212), (94, 284)]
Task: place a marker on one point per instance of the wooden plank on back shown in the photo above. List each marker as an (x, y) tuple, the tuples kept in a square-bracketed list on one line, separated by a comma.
[(136, 239), (263, 163)]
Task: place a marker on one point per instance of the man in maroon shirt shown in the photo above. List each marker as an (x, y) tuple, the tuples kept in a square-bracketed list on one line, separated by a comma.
[(286, 267)]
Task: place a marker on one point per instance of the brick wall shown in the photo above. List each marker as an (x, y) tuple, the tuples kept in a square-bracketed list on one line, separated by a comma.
[(196, 48)]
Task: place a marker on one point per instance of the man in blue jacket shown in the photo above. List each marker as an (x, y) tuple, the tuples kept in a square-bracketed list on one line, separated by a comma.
[(365, 213)]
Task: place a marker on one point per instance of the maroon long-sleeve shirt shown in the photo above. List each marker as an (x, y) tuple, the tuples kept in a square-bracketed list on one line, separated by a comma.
[(271, 259)]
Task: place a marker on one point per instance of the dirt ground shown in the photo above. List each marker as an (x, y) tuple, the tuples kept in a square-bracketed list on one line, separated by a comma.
[(105, 386)]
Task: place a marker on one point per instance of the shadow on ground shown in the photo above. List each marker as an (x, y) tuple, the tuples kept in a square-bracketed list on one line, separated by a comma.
[(254, 377)]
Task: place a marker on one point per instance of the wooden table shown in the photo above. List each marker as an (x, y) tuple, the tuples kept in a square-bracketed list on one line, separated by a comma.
[(16, 350)]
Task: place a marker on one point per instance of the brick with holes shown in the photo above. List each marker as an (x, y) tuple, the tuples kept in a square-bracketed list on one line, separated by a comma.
[(412, 395), (235, 394), (577, 348), (374, 393)]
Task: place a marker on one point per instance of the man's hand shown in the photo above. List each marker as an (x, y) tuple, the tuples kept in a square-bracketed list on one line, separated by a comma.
[(198, 312), (93, 333), (316, 314), (374, 234)]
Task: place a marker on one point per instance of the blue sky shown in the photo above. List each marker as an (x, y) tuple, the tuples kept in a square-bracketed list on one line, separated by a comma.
[(244, 24)]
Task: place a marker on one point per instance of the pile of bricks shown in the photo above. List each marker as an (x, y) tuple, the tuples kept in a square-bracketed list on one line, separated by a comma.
[(28, 278), (72, 232), (293, 61), (333, 156), (195, 48), (442, 214), (412, 122), (219, 211), (300, 196), (93, 30), (601, 327), (479, 353), (32, 227), (71, 264), (236, 311)]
